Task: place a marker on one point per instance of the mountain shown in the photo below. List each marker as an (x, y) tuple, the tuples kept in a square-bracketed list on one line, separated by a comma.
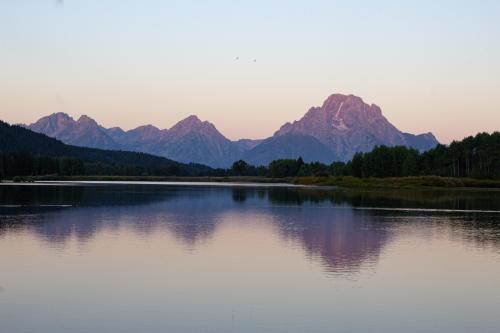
[(421, 142), (17, 139), (83, 132), (190, 140), (290, 145), (137, 139), (342, 126), (246, 144), (346, 125), (193, 140)]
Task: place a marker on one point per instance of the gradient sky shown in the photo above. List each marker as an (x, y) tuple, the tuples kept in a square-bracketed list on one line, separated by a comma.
[(430, 65)]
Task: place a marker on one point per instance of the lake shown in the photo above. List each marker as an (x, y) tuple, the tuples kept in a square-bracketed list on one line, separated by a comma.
[(100, 257)]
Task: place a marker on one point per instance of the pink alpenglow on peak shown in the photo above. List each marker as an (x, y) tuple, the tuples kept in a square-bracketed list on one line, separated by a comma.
[(340, 127), (346, 125)]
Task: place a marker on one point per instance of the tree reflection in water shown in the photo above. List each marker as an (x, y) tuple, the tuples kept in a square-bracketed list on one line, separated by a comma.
[(325, 223)]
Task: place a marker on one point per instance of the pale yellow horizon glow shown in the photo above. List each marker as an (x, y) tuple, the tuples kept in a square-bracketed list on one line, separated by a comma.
[(250, 68), (254, 114)]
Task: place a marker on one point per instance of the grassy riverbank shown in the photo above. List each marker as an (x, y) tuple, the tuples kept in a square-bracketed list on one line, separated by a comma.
[(399, 182)]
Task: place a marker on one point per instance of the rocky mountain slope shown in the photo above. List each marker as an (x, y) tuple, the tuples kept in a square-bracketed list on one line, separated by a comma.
[(346, 125), (342, 126), (16, 139), (84, 132)]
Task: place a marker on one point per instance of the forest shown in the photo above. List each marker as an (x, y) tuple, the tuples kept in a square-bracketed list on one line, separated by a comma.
[(26, 153), (473, 157)]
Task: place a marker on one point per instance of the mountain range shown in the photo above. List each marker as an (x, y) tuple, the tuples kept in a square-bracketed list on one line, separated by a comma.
[(28, 144), (342, 126)]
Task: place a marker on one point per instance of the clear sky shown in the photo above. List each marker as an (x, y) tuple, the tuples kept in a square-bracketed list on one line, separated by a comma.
[(430, 65)]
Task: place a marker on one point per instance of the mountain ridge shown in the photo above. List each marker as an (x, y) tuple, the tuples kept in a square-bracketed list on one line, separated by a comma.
[(336, 130), (346, 125), (20, 140)]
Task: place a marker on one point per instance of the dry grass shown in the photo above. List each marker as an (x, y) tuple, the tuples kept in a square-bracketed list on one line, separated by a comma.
[(399, 182)]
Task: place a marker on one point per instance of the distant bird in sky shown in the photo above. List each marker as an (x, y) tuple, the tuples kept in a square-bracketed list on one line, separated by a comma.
[(60, 2), (238, 58)]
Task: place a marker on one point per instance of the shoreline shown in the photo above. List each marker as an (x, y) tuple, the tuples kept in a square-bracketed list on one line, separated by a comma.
[(418, 182), (422, 182)]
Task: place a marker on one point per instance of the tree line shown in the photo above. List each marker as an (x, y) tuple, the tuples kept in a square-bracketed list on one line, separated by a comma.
[(474, 157), (28, 164), (25, 153)]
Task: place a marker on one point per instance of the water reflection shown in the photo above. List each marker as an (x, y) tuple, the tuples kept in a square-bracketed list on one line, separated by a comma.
[(329, 226), (342, 239)]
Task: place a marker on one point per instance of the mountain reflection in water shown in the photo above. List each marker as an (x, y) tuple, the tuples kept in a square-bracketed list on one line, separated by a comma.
[(324, 223)]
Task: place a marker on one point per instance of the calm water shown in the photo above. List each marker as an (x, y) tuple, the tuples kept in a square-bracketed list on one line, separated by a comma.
[(183, 258)]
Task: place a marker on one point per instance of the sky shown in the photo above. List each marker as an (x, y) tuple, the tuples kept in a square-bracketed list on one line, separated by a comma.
[(250, 66)]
